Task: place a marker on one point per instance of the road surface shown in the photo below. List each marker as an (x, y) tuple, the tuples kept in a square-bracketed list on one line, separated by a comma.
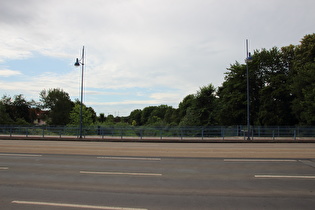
[(90, 175)]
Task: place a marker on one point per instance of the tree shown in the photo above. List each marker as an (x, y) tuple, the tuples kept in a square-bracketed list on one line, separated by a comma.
[(135, 117), (5, 118), (274, 94), (145, 114), (59, 104), (206, 104), (199, 109), (101, 118), (18, 110), (232, 97), (303, 81), (183, 106), (87, 115)]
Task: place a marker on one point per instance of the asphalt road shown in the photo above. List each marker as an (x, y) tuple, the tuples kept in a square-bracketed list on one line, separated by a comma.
[(67, 175)]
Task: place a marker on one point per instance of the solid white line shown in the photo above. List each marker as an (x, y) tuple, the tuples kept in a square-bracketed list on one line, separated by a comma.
[(74, 205), (284, 176), (258, 160), (20, 155), (119, 173), (129, 158), (4, 168)]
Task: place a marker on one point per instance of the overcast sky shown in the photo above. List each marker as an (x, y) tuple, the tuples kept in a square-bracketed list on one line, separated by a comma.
[(139, 53)]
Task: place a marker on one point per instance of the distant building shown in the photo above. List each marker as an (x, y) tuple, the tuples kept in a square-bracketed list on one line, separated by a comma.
[(41, 116)]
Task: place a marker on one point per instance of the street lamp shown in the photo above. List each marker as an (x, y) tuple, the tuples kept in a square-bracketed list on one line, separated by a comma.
[(81, 63), (248, 60)]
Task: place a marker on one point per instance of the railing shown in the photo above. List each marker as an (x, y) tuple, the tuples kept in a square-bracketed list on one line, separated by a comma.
[(167, 132)]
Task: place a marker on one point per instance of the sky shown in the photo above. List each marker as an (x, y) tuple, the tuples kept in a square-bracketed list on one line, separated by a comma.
[(138, 53)]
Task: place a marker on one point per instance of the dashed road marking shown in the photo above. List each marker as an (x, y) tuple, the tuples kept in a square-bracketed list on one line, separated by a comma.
[(285, 176), (259, 160), (129, 158), (19, 155), (74, 205), (119, 173)]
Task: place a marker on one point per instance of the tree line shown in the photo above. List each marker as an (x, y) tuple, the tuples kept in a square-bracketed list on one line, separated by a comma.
[(282, 92)]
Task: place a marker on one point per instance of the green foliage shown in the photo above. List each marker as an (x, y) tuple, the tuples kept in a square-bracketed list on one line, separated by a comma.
[(59, 104), (5, 118), (87, 115), (232, 97), (303, 81), (16, 110)]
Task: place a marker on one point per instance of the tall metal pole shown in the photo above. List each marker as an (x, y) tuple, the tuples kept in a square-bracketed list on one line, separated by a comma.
[(81, 123), (248, 100)]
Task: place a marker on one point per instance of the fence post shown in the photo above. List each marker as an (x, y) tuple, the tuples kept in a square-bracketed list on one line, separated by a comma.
[(273, 135), (294, 134), (222, 132), (43, 132), (202, 133), (181, 134)]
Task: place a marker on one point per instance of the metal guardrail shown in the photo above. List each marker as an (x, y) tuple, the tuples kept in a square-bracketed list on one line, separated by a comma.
[(175, 132)]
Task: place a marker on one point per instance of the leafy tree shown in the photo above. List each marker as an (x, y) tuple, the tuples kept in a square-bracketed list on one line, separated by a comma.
[(145, 114), (206, 104), (199, 109), (102, 117), (274, 94), (87, 115), (232, 97), (5, 118), (303, 81), (135, 116), (183, 106), (17, 110), (59, 104)]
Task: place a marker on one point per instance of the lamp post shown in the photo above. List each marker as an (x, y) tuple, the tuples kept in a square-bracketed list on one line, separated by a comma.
[(248, 60), (81, 63)]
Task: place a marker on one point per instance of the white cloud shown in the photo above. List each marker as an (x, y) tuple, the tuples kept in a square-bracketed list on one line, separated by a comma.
[(8, 73)]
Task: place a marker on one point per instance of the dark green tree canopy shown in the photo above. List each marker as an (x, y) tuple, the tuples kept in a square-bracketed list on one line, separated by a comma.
[(59, 104)]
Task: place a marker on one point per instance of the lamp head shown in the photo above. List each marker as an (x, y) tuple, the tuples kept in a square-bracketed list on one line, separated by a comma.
[(77, 62), (249, 58)]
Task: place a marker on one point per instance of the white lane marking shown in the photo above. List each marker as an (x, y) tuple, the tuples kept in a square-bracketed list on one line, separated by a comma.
[(285, 176), (119, 173), (129, 158), (4, 168), (259, 160), (74, 205), (20, 155)]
